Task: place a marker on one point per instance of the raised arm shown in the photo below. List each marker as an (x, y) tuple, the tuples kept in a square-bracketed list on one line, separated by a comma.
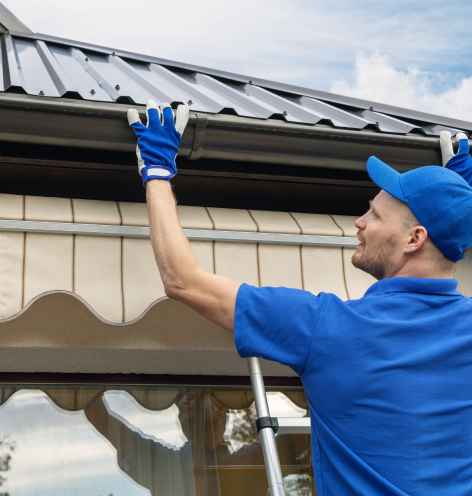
[(460, 162), (184, 280)]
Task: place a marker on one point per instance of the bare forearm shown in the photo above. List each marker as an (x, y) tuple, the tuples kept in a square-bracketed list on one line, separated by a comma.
[(211, 295), (174, 257)]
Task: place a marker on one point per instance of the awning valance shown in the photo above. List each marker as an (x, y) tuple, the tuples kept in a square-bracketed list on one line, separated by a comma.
[(80, 275)]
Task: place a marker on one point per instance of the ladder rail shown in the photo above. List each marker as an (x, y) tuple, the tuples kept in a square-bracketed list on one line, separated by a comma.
[(269, 427), (266, 433)]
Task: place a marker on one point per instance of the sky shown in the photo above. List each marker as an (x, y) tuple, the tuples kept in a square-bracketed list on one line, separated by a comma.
[(404, 53)]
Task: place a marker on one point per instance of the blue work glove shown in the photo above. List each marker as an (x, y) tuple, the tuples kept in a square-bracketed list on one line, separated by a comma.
[(461, 162), (159, 140)]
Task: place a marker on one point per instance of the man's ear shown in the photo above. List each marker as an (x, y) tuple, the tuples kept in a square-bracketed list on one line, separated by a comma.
[(417, 238)]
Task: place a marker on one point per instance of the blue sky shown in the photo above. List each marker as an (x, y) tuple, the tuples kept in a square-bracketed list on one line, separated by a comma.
[(411, 54)]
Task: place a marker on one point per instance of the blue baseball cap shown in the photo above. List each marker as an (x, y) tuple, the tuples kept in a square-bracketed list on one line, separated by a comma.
[(440, 199)]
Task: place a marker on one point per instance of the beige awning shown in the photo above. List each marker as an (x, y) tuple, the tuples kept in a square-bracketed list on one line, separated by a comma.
[(80, 290)]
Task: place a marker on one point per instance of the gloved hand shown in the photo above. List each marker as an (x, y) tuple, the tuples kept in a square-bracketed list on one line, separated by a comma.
[(159, 140), (461, 162)]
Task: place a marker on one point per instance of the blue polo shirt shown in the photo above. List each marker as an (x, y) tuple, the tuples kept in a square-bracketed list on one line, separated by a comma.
[(388, 379)]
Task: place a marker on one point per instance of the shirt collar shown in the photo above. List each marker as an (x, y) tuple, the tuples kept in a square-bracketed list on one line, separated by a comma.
[(424, 285)]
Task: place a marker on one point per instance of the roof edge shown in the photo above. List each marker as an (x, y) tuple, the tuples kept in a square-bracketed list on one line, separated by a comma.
[(323, 96), (10, 23)]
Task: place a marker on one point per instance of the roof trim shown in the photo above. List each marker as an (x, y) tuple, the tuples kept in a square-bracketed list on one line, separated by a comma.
[(265, 83), (10, 23)]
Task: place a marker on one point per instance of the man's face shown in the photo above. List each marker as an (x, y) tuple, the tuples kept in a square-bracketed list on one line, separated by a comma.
[(382, 235)]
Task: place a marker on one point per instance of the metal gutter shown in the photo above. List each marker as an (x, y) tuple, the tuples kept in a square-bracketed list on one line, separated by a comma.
[(295, 90), (143, 232), (103, 126)]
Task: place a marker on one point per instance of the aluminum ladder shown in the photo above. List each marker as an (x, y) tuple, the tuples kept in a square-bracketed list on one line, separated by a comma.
[(268, 426)]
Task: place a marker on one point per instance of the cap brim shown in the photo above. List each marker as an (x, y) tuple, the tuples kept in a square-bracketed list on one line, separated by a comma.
[(385, 177)]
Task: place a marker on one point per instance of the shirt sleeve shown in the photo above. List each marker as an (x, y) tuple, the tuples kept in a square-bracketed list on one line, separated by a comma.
[(462, 164), (276, 323)]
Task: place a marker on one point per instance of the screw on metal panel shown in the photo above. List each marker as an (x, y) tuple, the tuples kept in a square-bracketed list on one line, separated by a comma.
[(92, 91), (371, 108), (117, 87), (190, 102), (86, 59), (250, 82), (41, 93)]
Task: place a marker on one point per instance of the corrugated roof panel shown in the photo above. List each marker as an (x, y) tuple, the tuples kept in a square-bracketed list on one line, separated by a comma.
[(388, 124), (204, 87), (168, 86), (293, 112), (187, 88), (3, 72), (41, 65), (107, 76), (56, 72), (139, 73), (77, 79), (35, 76), (338, 117), (11, 66), (256, 97), (230, 97)]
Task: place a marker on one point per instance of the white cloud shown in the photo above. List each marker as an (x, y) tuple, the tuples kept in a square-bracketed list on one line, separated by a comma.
[(375, 78)]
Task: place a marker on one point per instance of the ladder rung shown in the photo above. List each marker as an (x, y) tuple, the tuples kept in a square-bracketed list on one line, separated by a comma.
[(291, 425)]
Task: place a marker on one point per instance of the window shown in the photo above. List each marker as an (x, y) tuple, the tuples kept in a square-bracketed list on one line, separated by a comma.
[(143, 441)]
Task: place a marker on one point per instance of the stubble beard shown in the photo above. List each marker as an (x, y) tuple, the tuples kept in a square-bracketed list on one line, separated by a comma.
[(375, 266)]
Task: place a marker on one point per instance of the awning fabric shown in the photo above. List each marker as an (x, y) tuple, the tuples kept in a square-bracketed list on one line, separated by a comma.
[(99, 300)]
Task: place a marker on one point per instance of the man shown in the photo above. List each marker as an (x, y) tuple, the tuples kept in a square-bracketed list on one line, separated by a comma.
[(388, 377)]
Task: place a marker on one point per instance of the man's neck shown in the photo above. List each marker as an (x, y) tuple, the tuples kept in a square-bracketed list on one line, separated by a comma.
[(423, 272)]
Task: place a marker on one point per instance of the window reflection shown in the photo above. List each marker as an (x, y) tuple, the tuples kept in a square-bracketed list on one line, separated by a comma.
[(298, 485), (145, 441), (162, 426), (6, 448), (240, 423), (58, 452)]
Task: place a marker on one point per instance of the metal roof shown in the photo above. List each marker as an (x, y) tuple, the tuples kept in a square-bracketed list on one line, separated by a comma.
[(42, 65)]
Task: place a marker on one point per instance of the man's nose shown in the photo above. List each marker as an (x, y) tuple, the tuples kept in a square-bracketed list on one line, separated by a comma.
[(359, 222)]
